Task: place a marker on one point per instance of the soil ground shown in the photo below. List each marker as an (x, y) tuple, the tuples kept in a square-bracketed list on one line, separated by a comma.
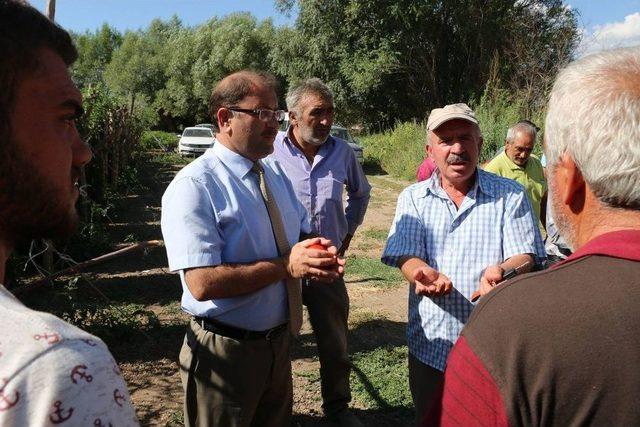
[(149, 359)]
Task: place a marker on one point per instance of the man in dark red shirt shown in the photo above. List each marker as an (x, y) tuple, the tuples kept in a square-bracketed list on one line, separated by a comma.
[(561, 347)]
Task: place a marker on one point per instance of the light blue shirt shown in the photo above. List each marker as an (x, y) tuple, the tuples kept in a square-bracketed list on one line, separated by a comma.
[(213, 213), (494, 222), (319, 186)]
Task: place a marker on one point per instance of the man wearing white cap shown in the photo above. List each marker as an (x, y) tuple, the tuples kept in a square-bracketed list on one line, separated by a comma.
[(456, 232)]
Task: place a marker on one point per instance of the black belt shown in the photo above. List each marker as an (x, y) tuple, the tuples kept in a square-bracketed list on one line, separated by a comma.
[(237, 333)]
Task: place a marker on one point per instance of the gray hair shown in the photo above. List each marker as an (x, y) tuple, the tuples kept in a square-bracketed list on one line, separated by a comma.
[(524, 127), (299, 90), (594, 117)]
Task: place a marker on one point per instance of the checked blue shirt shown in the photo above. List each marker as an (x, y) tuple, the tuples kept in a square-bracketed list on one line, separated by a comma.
[(494, 222)]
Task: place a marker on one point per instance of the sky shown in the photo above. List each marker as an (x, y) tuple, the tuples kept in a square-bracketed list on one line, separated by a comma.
[(605, 23)]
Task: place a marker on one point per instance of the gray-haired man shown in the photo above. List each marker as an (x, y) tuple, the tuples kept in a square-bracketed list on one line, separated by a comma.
[(320, 166)]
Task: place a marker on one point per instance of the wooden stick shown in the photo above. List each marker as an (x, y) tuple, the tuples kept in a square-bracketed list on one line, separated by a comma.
[(85, 264)]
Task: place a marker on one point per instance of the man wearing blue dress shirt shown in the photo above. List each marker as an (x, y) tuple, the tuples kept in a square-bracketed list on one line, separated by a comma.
[(320, 166), (235, 363), (457, 231)]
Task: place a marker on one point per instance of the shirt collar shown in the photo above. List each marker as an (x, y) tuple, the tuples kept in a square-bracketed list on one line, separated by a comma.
[(238, 165), (321, 152), (623, 244)]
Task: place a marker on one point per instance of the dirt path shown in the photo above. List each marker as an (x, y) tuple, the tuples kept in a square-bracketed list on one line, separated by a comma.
[(149, 358)]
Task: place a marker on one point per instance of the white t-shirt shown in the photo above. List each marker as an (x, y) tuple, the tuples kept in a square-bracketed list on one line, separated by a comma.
[(52, 373)]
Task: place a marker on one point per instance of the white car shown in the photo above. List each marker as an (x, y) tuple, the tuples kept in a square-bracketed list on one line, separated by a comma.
[(206, 125), (338, 131), (195, 141)]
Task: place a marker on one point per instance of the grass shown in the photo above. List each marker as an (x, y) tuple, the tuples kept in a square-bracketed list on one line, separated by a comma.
[(380, 378), (372, 271), (378, 234)]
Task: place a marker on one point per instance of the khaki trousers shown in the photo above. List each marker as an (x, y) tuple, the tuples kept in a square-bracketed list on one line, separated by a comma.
[(425, 383), (328, 307), (229, 382)]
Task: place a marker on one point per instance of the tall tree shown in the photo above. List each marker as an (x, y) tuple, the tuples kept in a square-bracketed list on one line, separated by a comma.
[(394, 61), (94, 53)]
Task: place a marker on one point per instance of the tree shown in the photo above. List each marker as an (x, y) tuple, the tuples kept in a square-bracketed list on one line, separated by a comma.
[(138, 67), (394, 61), (94, 53)]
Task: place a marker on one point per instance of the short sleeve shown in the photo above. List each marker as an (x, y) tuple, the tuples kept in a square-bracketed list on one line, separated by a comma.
[(189, 227), (76, 381), (406, 236), (521, 232)]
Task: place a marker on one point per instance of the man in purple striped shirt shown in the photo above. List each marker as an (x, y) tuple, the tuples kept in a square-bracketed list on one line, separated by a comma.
[(320, 166)]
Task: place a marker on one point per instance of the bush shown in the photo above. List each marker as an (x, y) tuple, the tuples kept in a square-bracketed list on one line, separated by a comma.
[(496, 111), (399, 151), (158, 140)]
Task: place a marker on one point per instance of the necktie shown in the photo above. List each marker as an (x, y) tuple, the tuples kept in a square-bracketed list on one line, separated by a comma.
[(294, 286)]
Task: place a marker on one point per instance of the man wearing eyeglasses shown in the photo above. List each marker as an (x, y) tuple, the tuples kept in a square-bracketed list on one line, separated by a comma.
[(319, 166), (223, 221)]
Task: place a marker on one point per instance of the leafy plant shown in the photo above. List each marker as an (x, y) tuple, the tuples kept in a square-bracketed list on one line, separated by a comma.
[(158, 140)]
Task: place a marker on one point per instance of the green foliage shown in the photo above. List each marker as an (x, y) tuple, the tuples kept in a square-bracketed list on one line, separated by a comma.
[(387, 62), (76, 302), (380, 378), (394, 61), (158, 140), (94, 53), (398, 151), (498, 110), (496, 113), (113, 133)]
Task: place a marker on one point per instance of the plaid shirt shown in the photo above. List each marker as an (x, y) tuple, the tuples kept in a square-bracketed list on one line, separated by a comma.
[(494, 223)]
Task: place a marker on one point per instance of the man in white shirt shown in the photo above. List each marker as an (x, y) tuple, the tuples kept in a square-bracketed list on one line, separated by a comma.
[(50, 371)]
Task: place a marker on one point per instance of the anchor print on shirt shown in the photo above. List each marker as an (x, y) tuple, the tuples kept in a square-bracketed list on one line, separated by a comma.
[(50, 338), (80, 372), (60, 414), (7, 400)]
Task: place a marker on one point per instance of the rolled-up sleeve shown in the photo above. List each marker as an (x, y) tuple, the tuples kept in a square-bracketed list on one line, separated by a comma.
[(191, 235)]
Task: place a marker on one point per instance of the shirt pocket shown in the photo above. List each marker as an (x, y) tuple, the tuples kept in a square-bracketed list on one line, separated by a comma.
[(329, 189)]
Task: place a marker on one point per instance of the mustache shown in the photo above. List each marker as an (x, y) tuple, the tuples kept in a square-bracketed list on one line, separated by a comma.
[(457, 158)]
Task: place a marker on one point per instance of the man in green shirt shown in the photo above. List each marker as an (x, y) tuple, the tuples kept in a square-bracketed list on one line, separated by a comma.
[(516, 162)]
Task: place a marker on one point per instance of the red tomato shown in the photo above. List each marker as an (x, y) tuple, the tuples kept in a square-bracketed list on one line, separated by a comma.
[(318, 246)]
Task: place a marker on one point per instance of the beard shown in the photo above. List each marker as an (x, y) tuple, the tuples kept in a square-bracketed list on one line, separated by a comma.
[(561, 221), (30, 206), (309, 136)]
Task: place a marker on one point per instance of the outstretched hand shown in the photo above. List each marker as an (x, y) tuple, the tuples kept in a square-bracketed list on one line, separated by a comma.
[(430, 282)]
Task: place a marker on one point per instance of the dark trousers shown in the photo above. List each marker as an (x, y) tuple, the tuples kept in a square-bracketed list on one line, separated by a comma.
[(425, 383), (229, 382), (328, 306)]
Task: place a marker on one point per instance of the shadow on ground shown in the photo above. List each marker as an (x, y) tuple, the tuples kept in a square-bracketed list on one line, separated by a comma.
[(371, 167), (365, 337), (395, 417)]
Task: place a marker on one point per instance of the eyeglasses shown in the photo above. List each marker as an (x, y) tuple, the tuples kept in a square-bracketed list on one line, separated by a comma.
[(263, 114)]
